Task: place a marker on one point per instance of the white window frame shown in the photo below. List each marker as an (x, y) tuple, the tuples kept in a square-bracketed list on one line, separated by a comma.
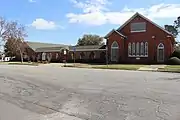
[(112, 47), (138, 30), (162, 48), (129, 49), (137, 49), (146, 49), (133, 49), (142, 49)]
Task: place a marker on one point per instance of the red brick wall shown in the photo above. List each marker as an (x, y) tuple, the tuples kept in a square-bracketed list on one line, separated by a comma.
[(116, 37), (151, 30)]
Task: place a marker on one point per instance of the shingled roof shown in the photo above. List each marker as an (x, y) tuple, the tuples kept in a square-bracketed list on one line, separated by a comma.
[(88, 48), (46, 47)]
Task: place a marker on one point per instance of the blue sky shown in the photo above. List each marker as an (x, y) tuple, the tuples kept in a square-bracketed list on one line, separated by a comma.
[(64, 21)]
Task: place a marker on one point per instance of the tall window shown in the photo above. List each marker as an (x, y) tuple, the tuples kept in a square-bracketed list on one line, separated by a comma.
[(129, 49), (142, 49), (114, 51), (146, 48), (137, 48), (138, 27), (133, 49), (160, 52)]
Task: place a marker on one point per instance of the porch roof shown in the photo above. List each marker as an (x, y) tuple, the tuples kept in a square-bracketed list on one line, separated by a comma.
[(88, 48)]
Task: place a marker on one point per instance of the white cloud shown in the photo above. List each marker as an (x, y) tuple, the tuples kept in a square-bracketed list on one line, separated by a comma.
[(43, 24), (32, 1), (95, 12), (91, 5)]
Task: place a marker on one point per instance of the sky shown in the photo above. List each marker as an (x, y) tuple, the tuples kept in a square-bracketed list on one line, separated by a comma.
[(64, 21)]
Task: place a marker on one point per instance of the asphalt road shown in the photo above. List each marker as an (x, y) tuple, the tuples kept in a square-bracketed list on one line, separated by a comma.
[(52, 93)]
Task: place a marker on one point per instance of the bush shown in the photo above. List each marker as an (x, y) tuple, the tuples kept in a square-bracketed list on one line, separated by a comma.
[(174, 61), (176, 53)]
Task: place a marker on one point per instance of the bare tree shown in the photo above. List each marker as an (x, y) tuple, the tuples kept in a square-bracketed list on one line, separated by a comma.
[(11, 30)]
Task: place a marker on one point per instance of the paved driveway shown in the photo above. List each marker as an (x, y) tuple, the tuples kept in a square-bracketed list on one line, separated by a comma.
[(53, 93)]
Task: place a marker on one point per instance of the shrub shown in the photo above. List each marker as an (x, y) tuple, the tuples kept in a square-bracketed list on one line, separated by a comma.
[(176, 53), (174, 61)]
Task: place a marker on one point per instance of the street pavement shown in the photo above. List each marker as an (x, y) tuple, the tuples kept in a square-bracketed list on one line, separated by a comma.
[(55, 93)]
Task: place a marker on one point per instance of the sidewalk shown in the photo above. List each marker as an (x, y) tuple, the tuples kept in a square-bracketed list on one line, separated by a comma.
[(151, 67)]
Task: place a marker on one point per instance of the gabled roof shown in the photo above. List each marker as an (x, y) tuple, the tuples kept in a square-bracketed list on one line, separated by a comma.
[(138, 14), (38, 45), (49, 49), (113, 30)]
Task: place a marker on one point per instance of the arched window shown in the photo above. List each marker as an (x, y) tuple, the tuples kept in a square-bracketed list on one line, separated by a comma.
[(146, 48), (142, 49), (129, 49), (133, 49), (114, 51), (160, 52), (137, 48)]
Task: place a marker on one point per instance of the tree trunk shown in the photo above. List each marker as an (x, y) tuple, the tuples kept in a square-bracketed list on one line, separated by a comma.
[(21, 55)]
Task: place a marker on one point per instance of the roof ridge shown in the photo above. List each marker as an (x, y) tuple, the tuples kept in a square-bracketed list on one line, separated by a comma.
[(147, 19)]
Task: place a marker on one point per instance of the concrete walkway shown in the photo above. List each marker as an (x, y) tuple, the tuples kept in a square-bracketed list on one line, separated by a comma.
[(151, 67)]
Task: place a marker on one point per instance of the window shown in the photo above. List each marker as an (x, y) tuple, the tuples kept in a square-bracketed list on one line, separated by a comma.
[(142, 49), (146, 48), (138, 27), (133, 49), (43, 56), (137, 48), (160, 53), (82, 55), (57, 55), (114, 51), (129, 49)]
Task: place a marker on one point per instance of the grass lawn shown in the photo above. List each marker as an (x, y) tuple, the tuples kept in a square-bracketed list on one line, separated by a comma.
[(24, 63), (118, 67), (171, 68)]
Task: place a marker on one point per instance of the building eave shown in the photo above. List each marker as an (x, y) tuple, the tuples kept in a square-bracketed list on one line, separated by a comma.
[(113, 30)]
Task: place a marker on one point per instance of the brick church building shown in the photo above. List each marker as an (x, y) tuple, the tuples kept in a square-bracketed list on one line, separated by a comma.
[(139, 40)]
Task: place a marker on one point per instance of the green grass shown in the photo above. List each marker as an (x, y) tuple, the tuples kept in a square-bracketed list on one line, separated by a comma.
[(24, 63), (118, 67), (171, 68)]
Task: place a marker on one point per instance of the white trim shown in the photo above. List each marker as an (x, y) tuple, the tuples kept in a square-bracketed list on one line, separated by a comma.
[(138, 31), (117, 48), (140, 56), (136, 14), (129, 49), (113, 30), (137, 49), (160, 48), (146, 48)]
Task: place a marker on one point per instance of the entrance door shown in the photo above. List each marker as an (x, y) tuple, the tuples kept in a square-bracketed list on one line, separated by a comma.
[(114, 52), (160, 53)]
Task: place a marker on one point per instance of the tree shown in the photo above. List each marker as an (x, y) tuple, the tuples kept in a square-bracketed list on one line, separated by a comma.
[(14, 47), (172, 29), (177, 24), (14, 33), (89, 39)]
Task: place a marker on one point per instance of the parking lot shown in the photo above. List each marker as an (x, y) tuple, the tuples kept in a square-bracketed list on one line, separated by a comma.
[(55, 93)]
